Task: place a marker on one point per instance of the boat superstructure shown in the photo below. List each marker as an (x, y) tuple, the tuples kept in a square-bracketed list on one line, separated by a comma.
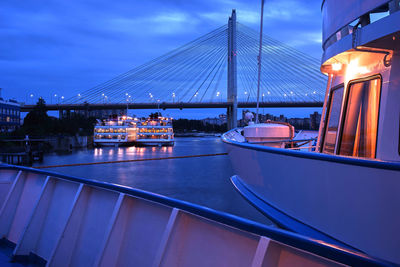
[(347, 189), (121, 130), (58, 220), (155, 131)]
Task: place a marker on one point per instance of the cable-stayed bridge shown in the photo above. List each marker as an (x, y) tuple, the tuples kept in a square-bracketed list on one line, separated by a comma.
[(218, 69)]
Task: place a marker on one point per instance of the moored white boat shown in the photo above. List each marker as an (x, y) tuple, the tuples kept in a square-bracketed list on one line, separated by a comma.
[(347, 190), (115, 132), (155, 131)]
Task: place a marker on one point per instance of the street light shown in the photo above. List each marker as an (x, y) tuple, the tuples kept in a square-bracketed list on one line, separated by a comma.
[(219, 94), (127, 103)]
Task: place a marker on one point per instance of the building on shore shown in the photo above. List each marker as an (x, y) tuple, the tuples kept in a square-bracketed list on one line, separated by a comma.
[(10, 115), (96, 113), (315, 119), (310, 123), (215, 121)]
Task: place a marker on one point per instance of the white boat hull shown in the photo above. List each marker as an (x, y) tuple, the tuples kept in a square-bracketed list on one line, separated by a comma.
[(154, 143), (116, 143), (351, 200)]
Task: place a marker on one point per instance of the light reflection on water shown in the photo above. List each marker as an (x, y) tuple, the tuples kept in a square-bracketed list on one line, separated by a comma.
[(204, 180)]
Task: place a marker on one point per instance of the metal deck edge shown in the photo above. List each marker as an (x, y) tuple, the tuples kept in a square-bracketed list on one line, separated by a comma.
[(28, 260), (379, 164)]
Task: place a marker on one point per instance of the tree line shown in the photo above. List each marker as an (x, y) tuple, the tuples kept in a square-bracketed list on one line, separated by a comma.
[(38, 123), (186, 125)]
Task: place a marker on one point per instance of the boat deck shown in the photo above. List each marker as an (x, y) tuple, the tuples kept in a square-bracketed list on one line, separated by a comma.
[(6, 253), (61, 220)]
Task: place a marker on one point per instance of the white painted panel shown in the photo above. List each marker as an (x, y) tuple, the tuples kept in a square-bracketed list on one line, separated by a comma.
[(196, 241), (49, 219), (165, 237), (7, 178), (110, 227), (286, 256), (19, 207), (136, 234), (85, 230)]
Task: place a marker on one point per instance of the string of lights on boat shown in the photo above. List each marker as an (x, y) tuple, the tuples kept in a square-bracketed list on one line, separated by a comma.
[(197, 73)]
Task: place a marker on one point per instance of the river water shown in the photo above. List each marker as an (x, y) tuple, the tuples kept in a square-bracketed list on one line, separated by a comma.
[(203, 180)]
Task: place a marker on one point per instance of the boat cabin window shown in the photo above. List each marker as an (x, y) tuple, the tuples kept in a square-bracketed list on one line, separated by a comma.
[(360, 124), (332, 122)]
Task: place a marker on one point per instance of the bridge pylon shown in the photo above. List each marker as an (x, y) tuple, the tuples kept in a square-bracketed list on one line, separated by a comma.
[(232, 73)]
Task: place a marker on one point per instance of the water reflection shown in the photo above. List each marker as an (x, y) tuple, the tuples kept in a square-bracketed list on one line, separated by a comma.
[(204, 181), (131, 149), (98, 152)]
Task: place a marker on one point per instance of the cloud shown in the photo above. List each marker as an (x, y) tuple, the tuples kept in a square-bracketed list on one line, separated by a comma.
[(166, 23), (249, 13), (305, 39), (287, 10)]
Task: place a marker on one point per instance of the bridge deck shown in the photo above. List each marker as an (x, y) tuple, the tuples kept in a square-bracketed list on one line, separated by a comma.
[(165, 105)]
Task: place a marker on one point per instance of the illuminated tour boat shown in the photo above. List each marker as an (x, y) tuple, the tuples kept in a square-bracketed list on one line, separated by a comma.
[(347, 189), (115, 132), (155, 131)]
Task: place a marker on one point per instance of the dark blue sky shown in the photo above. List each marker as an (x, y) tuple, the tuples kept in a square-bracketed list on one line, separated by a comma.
[(66, 47)]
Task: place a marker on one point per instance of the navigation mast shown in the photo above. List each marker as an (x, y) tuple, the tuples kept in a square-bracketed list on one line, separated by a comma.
[(259, 60)]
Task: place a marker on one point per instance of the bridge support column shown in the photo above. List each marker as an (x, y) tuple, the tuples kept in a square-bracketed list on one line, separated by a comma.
[(232, 73)]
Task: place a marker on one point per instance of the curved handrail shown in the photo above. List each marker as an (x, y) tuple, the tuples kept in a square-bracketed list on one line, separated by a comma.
[(379, 164), (283, 141)]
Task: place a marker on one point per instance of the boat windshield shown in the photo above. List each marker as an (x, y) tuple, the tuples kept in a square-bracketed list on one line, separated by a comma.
[(361, 119), (335, 105)]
